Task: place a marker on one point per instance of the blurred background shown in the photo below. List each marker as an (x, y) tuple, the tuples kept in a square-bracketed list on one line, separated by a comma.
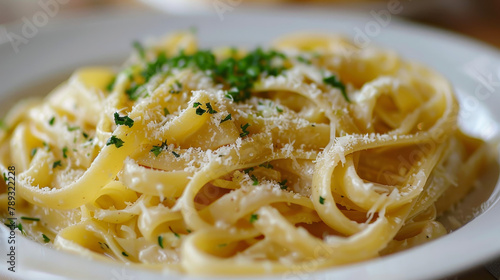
[(473, 18), (477, 19)]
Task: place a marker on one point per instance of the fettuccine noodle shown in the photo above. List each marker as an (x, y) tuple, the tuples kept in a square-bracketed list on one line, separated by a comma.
[(312, 154)]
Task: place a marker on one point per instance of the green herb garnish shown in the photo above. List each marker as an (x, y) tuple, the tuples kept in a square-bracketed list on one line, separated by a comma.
[(321, 200), (125, 254), (283, 185), (30, 219), (176, 87), (227, 118), (111, 85), (45, 238), (246, 171), (210, 109), (175, 154), (21, 229), (175, 233), (200, 111), (52, 120), (56, 164), (65, 150), (160, 241), (255, 180), (303, 60), (253, 218), (244, 129), (115, 141), (123, 120), (33, 152), (266, 165), (157, 149), (334, 82), (237, 75)]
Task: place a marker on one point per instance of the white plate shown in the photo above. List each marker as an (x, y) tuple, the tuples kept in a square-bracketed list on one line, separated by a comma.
[(67, 43)]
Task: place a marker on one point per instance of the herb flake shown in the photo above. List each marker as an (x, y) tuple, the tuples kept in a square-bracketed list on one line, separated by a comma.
[(52, 120), (30, 219), (253, 218), (56, 164), (321, 200), (336, 83), (227, 118), (160, 241), (45, 238), (115, 141), (157, 149), (244, 129), (123, 120)]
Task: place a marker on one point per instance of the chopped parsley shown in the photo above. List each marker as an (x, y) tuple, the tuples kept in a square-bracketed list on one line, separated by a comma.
[(255, 180), (125, 254), (30, 219), (237, 75), (85, 135), (56, 164), (176, 87), (266, 165), (45, 238), (175, 233), (334, 82), (123, 120), (200, 111), (140, 49), (33, 152), (303, 60), (246, 171), (115, 141), (52, 120), (111, 85), (175, 154), (279, 109), (244, 129), (160, 241), (253, 218), (157, 149), (73, 128), (133, 92), (21, 229), (283, 185), (227, 118), (321, 200), (210, 109), (5, 177), (65, 151), (165, 112)]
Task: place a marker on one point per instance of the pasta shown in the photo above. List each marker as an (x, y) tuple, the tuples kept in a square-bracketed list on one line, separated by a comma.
[(312, 154)]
